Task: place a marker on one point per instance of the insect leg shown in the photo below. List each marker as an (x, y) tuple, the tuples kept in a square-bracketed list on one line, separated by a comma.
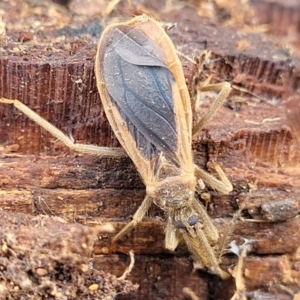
[(137, 217), (222, 185), (224, 89), (208, 227), (85, 148), (203, 253), (172, 238)]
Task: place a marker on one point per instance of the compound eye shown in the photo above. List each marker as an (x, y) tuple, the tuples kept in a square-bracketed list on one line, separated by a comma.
[(192, 221)]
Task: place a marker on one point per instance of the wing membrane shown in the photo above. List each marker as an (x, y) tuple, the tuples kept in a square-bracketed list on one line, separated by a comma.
[(142, 90), (147, 107)]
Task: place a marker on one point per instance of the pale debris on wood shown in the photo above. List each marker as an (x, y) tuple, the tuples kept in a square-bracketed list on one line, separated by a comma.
[(130, 267)]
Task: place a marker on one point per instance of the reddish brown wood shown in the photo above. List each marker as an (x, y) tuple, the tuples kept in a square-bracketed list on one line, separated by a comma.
[(52, 72)]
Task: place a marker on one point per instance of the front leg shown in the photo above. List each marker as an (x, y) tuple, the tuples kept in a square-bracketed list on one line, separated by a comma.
[(137, 217), (203, 253)]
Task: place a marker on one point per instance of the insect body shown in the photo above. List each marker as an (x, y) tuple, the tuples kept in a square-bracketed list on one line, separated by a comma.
[(143, 91)]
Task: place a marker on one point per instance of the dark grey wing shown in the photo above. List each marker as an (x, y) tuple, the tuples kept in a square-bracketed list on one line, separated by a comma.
[(134, 47), (141, 86)]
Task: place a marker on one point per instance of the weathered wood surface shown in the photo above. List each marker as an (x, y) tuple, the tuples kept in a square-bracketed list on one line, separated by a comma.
[(41, 254), (51, 71)]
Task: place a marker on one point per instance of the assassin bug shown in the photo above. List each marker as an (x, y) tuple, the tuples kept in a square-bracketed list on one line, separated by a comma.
[(143, 91), (145, 97)]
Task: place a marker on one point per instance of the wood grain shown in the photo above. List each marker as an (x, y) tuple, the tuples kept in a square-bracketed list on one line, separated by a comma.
[(250, 136)]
